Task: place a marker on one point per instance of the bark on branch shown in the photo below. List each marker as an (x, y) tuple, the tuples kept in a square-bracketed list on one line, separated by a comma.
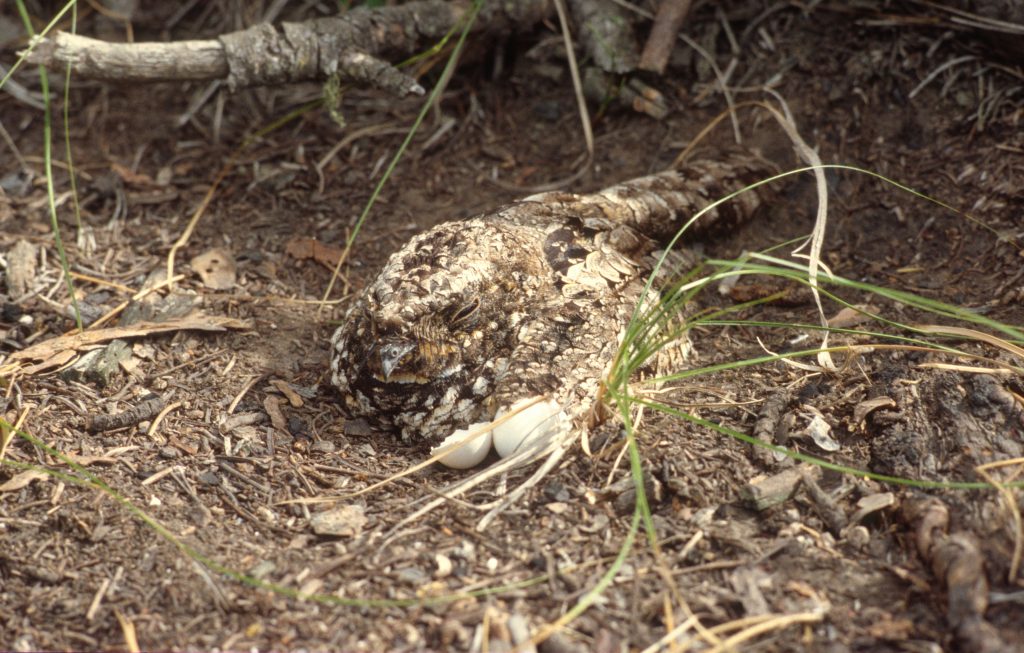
[(355, 45)]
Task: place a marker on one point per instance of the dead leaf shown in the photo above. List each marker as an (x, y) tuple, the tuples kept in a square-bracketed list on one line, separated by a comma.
[(293, 397), (273, 407), (130, 177), (85, 461), (131, 366), (343, 521), (887, 627), (818, 429), (868, 406), (803, 589), (306, 248), (55, 352), (872, 503), (216, 267), (22, 261), (851, 316), (23, 479)]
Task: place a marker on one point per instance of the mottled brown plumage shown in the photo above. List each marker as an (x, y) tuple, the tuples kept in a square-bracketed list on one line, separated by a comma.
[(532, 299)]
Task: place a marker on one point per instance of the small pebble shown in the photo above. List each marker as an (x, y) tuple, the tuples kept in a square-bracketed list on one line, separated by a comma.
[(444, 566), (209, 478)]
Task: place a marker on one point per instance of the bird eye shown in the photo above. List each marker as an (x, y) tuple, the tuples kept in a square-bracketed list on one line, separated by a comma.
[(465, 311)]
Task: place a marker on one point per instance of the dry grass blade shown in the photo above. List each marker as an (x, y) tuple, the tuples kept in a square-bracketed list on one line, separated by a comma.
[(114, 312), (382, 129), (810, 156), (155, 424), (7, 433), (974, 20), (669, 638), (768, 623), (554, 449), (968, 369), (197, 215), (131, 640), (577, 85), (973, 334), (442, 452), (549, 464)]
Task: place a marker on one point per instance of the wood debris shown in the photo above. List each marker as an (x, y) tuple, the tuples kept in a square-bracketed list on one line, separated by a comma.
[(55, 352)]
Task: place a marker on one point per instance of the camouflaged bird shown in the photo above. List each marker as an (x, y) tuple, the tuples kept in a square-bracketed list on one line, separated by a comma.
[(473, 317)]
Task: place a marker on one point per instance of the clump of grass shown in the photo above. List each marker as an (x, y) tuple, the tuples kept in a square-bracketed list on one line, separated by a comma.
[(662, 324), (650, 331), (51, 195)]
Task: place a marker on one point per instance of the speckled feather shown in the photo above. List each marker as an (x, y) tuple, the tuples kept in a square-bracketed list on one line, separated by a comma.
[(532, 299)]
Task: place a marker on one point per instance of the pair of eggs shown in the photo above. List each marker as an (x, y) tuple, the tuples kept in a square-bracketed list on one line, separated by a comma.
[(525, 424)]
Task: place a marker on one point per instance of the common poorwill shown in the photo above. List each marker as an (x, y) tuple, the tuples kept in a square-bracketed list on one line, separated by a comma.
[(472, 317)]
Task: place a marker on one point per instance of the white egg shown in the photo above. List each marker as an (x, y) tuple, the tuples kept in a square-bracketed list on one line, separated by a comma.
[(464, 448), (527, 426)]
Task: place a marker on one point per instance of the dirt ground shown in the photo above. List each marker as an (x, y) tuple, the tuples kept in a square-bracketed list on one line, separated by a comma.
[(232, 478)]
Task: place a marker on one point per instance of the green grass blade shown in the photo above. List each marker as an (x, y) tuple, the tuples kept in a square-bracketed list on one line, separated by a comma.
[(44, 82)]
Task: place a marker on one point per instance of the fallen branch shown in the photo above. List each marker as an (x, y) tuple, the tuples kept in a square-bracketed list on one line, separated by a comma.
[(353, 45)]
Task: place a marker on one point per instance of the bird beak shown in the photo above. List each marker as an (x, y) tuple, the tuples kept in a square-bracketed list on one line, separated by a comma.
[(392, 354)]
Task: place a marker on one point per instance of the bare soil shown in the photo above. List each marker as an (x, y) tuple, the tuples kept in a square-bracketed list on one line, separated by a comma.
[(256, 443)]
